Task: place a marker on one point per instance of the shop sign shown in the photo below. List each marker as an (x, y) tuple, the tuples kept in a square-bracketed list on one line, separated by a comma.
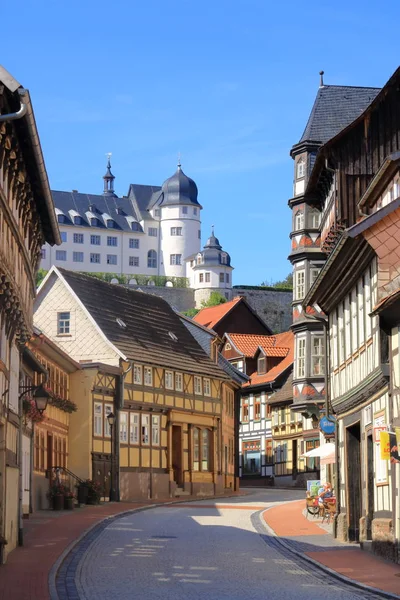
[(328, 425), (389, 446), (384, 438), (251, 446)]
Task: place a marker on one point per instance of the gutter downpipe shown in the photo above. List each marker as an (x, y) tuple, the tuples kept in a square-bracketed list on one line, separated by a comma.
[(15, 115)]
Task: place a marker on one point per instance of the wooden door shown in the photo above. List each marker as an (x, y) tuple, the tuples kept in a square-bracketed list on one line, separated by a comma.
[(177, 453), (102, 474), (353, 480)]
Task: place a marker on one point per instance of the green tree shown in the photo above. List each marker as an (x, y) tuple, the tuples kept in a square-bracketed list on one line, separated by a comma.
[(41, 274), (286, 284), (214, 299)]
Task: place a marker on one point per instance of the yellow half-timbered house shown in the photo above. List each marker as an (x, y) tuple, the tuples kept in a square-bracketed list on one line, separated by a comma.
[(140, 363)]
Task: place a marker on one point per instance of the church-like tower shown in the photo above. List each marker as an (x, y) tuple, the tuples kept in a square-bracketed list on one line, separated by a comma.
[(334, 108), (180, 223), (210, 270)]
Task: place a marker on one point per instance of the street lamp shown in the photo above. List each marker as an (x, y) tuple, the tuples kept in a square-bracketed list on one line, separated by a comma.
[(111, 422), (40, 395)]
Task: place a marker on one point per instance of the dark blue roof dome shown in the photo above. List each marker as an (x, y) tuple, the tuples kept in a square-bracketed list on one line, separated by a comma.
[(213, 242), (213, 253), (179, 189)]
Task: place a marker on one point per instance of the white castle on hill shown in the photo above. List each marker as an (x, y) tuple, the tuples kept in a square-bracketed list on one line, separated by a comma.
[(153, 232)]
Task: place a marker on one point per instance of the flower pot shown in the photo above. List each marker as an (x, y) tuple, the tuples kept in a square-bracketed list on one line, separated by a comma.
[(68, 503), (83, 491), (58, 502)]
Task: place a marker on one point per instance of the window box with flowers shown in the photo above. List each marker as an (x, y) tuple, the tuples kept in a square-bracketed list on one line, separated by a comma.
[(30, 410), (94, 492), (69, 500)]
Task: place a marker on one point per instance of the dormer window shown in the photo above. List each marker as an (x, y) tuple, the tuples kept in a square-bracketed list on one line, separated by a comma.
[(261, 365), (301, 168), (299, 220), (78, 221), (135, 227), (110, 223)]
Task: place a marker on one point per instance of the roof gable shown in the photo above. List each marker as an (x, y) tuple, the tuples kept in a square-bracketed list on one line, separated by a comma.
[(140, 326), (283, 341), (213, 316)]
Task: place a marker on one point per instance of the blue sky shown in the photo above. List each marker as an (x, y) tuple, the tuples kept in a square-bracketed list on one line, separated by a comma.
[(228, 84)]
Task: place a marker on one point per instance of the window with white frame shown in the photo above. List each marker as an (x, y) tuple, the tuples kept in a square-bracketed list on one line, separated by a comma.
[(134, 428), (299, 220), (368, 307), (314, 218), (95, 240), (63, 323), (361, 317), (347, 326), (222, 277), (196, 449), (134, 243), (341, 335), (112, 240), (123, 427), (145, 430), (111, 259), (301, 168), (197, 385), (208, 277), (152, 259), (61, 255), (176, 231), (77, 256), (354, 320), (201, 277), (175, 259), (195, 211), (148, 376), (43, 253), (334, 333), (178, 382), (78, 238), (261, 364), (317, 355), (137, 374), (299, 284), (152, 231), (98, 419), (157, 212), (108, 409), (95, 258), (184, 210), (226, 277), (314, 272), (63, 235), (207, 387), (381, 466), (301, 357), (169, 380), (155, 430), (133, 261)]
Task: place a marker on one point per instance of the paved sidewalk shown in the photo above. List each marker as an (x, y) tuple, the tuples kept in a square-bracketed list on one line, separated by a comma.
[(306, 536), (46, 535)]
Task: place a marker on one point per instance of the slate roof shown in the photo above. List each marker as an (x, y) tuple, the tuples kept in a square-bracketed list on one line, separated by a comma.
[(335, 107), (107, 203), (285, 393), (145, 196), (148, 320), (286, 340)]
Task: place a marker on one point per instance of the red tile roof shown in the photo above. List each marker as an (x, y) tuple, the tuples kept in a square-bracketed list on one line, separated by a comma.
[(282, 340), (209, 317), (247, 343)]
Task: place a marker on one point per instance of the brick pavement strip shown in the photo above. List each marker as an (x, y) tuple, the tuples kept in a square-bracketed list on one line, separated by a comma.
[(307, 540), (25, 576)]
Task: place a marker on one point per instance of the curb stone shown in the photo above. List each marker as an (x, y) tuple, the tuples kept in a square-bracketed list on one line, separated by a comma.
[(324, 568), (100, 524)]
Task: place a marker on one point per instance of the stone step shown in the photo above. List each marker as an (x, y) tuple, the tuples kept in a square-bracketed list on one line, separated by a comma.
[(180, 492)]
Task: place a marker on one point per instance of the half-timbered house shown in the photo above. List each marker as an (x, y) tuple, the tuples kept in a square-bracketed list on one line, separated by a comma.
[(355, 185), (139, 362), (27, 221)]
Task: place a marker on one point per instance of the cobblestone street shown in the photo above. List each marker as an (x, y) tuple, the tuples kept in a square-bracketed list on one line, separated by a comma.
[(208, 549)]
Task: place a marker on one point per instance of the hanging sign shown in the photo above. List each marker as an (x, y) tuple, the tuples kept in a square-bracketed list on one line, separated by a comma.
[(395, 446), (328, 425), (385, 445)]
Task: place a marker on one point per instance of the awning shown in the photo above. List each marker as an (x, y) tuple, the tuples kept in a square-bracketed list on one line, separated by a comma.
[(326, 451)]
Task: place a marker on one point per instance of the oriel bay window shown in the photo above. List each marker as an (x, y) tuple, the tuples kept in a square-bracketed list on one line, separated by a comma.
[(317, 355), (202, 449), (301, 357)]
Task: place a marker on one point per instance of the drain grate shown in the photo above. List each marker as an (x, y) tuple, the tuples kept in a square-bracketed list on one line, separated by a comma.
[(163, 537)]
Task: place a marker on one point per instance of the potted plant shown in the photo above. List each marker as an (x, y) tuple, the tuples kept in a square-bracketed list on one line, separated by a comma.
[(69, 498), (56, 495), (83, 492), (94, 492)]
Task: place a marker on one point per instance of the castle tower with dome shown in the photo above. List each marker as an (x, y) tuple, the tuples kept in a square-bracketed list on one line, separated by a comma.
[(145, 236)]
